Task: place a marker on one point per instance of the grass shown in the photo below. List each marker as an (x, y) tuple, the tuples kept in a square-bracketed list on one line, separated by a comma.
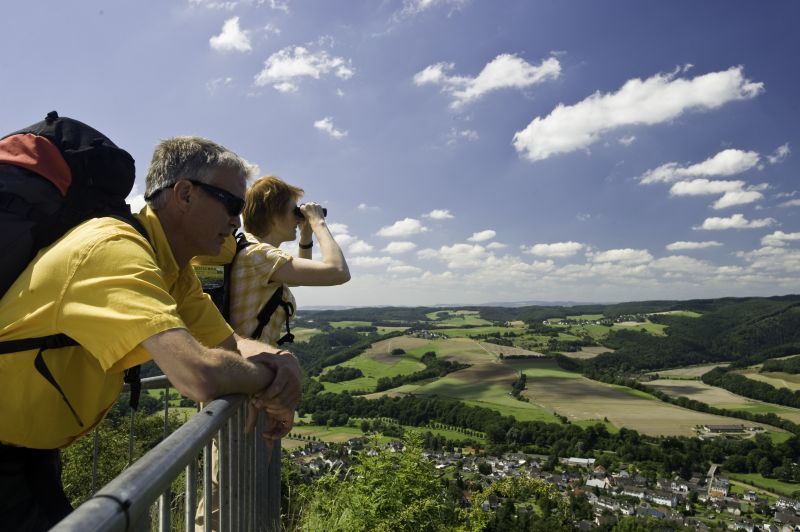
[(346, 324), (302, 334), (466, 333), (586, 317), (373, 370), (585, 423), (771, 484), (774, 378), (656, 329), (457, 318), (344, 433)]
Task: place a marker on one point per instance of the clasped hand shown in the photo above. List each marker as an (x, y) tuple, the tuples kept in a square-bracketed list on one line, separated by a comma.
[(278, 400)]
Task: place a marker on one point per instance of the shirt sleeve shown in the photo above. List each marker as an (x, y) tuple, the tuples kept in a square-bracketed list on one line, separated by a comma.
[(115, 298)]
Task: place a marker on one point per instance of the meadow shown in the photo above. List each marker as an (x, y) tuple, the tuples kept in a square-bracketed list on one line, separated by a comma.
[(688, 372), (720, 398), (776, 379)]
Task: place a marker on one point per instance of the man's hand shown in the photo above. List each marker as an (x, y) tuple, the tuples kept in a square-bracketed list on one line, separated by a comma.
[(279, 422), (286, 388)]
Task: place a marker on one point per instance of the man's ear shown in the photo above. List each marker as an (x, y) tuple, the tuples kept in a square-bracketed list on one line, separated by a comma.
[(182, 194)]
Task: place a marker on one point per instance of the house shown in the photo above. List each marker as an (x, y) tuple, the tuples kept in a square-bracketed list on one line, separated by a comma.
[(663, 498), (580, 462), (718, 487), (598, 483)]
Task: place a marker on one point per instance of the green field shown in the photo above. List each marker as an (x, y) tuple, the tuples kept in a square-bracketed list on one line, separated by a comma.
[(302, 334), (342, 434), (771, 484), (773, 378), (346, 324), (457, 318), (586, 317), (474, 331), (373, 369), (681, 313), (656, 329)]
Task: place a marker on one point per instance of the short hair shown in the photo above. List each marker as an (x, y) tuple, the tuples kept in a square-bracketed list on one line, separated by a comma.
[(188, 158), (266, 198)]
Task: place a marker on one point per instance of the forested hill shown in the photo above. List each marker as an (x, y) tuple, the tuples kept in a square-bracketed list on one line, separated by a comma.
[(743, 331), (739, 330)]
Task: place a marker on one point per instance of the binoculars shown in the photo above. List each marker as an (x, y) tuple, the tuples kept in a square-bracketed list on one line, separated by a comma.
[(299, 213)]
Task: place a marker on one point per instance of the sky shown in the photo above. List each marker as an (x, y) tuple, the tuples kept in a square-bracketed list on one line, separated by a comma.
[(467, 151)]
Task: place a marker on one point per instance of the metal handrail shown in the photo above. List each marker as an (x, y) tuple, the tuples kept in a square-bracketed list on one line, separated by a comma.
[(249, 480)]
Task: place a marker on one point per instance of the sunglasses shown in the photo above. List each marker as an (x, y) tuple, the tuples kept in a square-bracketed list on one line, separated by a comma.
[(233, 204)]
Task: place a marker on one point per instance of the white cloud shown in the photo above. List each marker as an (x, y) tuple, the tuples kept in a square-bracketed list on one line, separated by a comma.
[(634, 256), (681, 263), (725, 163), (414, 7), (371, 262), (482, 236), (344, 239), (399, 247), (780, 154), (458, 256), (326, 125), (232, 38), (627, 141), (439, 214), (214, 4), (465, 134), (790, 203), (403, 269), (737, 221), (737, 197), (337, 229), (556, 249), (215, 84), (365, 207), (358, 247), (502, 72), (136, 199), (683, 245), (702, 187), (779, 238), (404, 227), (655, 100), (496, 245), (285, 68), (583, 216)]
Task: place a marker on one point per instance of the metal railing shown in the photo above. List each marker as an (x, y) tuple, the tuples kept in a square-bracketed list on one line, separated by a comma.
[(249, 476)]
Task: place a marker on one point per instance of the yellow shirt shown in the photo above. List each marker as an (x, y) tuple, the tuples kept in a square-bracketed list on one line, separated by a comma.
[(103, 285), (252, 287)]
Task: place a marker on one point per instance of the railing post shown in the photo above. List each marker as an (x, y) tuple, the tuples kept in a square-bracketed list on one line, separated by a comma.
[(165, 500), (224, 471), (207, 488)]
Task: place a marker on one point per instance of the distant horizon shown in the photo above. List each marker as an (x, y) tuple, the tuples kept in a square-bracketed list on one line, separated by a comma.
[(525, 303)]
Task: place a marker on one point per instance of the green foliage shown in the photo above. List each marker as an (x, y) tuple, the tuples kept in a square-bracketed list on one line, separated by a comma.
[(112, 452), (388, 492), (789, 365), (741, 385), (340, 374), (433, 368)]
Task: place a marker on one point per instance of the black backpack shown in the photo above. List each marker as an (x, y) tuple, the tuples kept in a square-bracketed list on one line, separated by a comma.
[(220, 292), (55, 175)]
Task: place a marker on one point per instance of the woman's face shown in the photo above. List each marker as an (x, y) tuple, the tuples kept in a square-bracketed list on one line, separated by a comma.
[(286, 224)]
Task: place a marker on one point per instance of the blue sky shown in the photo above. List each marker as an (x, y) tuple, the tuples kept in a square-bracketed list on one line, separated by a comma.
[(468, 151)]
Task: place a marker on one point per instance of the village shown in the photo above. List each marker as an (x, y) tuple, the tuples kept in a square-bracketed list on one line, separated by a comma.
[(703, 502)]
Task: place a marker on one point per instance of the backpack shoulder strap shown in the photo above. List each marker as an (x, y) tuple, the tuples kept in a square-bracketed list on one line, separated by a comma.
[(268, 310), (56, 341), (241, 243)]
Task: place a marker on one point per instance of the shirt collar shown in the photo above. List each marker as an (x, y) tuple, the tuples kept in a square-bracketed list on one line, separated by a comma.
[(158, 239)]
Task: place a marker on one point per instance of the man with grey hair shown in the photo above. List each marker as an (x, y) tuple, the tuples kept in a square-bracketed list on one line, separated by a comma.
[(125, 299)]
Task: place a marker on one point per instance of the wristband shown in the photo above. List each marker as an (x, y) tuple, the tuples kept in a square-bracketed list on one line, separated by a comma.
[(306, 246)]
